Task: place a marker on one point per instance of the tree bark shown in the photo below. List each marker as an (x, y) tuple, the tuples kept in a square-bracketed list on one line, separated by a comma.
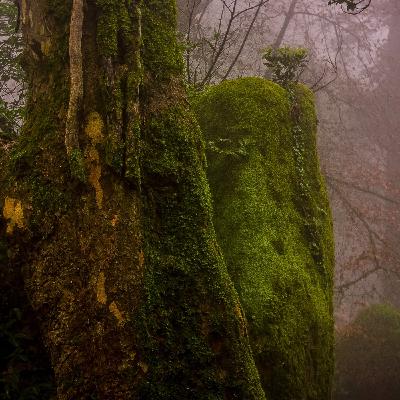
[(288, 17), (107, 211)]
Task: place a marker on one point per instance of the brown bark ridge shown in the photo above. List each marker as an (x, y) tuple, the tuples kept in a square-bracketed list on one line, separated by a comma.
[(106, 211), (76, 77)]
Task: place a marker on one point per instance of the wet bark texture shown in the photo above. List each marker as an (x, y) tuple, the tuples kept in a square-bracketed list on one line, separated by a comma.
[(107, 212)]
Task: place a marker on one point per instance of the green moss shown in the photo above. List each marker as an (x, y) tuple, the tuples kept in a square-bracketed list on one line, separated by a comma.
[(77, 165), (119, 42), (273, 223), (191, 332), (42, 129), (113, 21), (49, 203), (115, 24), (132, 155), (309, 180), (192, 339), (132, 168), (162, 55)]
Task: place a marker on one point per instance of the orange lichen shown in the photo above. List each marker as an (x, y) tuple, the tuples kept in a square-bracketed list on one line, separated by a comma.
[(243, 324), (143, 366), (141, 258), (127, 362), (114, 221), (94, 179), (117, 313), (45, 46), (92, 155), (101, 289), (94, 130), (14, 213)]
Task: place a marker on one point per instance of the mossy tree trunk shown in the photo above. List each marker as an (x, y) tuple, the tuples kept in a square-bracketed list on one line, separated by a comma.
[(107, 211), (274, 226)]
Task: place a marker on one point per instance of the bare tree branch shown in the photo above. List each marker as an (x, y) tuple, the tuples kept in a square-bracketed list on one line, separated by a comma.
[(249, 29)]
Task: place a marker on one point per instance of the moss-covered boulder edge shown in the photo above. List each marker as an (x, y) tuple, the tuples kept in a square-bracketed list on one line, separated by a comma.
[(273, 222)]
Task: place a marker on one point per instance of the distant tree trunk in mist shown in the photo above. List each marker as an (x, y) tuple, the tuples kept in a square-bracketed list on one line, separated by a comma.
[(387, 96), (288, 17), (107, 211), (190, 12)]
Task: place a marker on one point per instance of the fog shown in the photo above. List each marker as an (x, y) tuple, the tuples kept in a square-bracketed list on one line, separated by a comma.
[(354, 70)]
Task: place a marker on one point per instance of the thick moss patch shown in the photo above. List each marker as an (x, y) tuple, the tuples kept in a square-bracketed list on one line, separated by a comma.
[(274, 226), (190, 328)]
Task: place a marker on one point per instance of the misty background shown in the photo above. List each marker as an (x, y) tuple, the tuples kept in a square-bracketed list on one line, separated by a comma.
[(353, 66)]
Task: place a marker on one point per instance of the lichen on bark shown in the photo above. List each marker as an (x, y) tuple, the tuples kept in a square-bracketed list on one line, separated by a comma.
[(122, 268)]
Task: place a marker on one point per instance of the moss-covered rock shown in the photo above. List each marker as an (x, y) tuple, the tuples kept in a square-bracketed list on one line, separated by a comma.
[(273, 223)]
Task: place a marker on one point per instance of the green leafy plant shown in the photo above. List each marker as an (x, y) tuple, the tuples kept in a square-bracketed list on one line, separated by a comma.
[(228, 147), (285, 64)]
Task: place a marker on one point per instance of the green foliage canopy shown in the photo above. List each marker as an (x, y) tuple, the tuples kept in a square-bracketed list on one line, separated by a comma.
[(285, 64)]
